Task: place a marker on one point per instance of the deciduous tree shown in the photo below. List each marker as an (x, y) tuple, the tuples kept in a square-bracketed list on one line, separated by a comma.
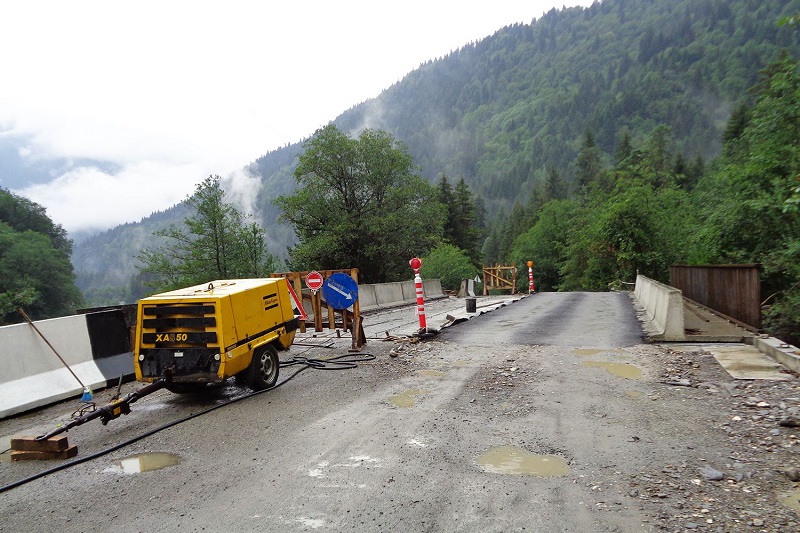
[(215, 242), (35, 268), (449, 264), (360, 204)]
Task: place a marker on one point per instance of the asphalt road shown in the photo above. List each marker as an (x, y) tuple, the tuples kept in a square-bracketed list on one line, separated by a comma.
[(530, 418)]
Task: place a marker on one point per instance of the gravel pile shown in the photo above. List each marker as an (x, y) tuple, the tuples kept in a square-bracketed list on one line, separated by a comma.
[(749, 483)]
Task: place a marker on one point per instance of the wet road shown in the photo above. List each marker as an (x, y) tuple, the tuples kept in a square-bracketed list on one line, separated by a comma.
[(501, 423), (577, 319)]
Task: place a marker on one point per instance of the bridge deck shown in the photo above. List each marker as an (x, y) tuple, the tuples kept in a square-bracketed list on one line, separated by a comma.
[(702, 325)]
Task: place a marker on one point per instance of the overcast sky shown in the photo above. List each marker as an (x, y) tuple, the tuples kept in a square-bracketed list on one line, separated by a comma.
[(164, 93)]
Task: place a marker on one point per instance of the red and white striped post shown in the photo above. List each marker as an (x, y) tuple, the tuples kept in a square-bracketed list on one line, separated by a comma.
[(415, 263), (530, 277)]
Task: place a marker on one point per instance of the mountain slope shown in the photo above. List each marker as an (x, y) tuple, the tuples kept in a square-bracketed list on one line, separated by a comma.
[(500, 111), (496, 112)]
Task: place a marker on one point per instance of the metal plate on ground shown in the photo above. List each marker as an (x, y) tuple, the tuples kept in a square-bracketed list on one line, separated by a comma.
[(746, 362)]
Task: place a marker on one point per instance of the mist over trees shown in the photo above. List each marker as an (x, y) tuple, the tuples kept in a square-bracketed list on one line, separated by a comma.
[(503, 111), (215, 241), (359, 203)]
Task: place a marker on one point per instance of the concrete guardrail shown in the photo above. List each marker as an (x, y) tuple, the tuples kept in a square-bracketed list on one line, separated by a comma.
[(786, 354), (394, 294), (664, 306), (96, 347)]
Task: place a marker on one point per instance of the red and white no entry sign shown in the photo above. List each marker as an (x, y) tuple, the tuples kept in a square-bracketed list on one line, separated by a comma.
[(314, 281)]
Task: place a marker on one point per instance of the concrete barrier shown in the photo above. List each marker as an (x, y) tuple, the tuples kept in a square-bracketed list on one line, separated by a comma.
[(664, 306), (786, 354), (382, 295), (95, 346), (432, 288), (367, 297), (388, 294)]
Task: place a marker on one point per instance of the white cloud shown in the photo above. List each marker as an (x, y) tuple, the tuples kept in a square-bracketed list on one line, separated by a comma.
[(85, 197), (170, 92)]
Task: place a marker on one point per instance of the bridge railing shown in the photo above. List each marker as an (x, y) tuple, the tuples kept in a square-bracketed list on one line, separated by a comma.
[(732, 290)]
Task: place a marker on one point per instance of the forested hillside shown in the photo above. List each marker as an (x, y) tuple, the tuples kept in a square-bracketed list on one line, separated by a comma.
[(500, 111), (35, 271), (512, 113)]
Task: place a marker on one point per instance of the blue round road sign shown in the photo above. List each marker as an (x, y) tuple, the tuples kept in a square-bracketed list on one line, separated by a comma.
[(340, 291)]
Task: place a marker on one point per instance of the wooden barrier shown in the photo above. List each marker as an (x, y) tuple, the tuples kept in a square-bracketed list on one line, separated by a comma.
[(499, 277), (333, 319), (732, 290)]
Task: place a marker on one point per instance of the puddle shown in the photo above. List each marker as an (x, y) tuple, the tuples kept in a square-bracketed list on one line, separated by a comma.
[(432, 373), (146, 462), (516, 461), (406, 399), (791, 500), (633, 394), (623, 370), (587, 351)]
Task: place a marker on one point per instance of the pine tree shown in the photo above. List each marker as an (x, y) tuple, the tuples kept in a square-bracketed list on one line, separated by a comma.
[(588, 164)]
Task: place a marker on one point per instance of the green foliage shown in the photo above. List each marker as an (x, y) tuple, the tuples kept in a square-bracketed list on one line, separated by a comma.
[(449, 264), (588, 165), (792, 204), (360, 205), (626, 98), (745, 202), (12, 300), (462, 227), (628, 219), (22, 214), (743, 199), (653, 210), (630, 233), (499, 111), (216, 243), (35, 270), (546, 244), (782, 314), (504, 111)]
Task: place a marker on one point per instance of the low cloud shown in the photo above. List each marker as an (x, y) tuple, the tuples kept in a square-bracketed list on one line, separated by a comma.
[(90, 199), (242, 189)]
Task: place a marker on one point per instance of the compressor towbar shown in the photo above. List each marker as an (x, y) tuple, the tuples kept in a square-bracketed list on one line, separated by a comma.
[(108, 412)]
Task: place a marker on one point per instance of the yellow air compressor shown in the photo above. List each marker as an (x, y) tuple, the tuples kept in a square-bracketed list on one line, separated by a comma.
[(207, 333)]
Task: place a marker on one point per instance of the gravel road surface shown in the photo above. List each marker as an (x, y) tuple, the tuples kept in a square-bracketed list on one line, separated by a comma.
[(548, 414)]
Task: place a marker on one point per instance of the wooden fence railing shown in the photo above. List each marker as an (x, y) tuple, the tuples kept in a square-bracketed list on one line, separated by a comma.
[(732, 290)]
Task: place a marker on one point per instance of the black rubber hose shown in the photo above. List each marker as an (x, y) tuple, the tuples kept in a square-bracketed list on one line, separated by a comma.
[(341, 362)]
